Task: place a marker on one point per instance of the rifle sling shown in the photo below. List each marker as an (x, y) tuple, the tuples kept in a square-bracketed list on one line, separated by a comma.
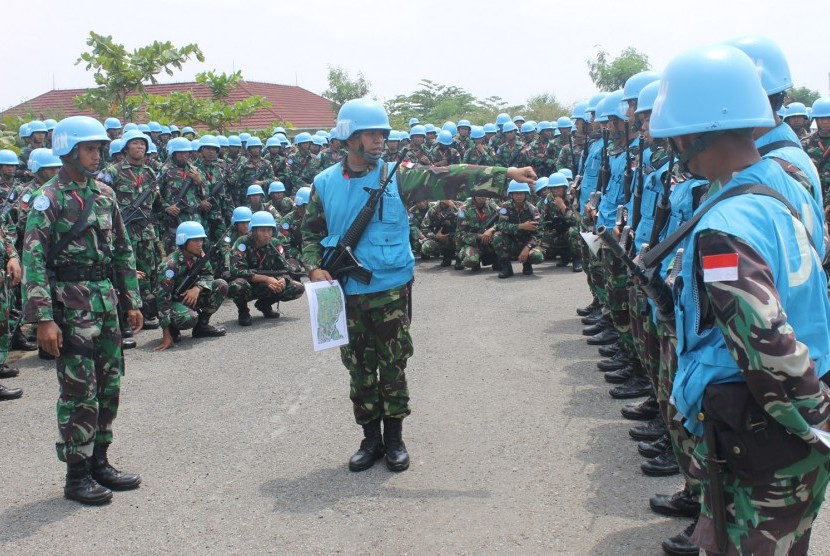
[(79, 227)]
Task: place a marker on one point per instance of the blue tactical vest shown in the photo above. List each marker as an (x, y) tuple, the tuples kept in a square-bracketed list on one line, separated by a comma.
[(384, 247), (703, 357), (614, 193), (652, 191), (794, 155), (591, 175)]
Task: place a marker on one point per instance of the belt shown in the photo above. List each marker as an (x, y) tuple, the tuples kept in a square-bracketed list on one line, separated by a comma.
[(82, 273)]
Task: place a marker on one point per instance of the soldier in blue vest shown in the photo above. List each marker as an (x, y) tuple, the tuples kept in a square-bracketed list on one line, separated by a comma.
[(751, 313), (377, 312)]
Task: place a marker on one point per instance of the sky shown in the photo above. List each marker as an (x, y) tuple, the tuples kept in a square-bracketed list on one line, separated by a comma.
[(513, 49)]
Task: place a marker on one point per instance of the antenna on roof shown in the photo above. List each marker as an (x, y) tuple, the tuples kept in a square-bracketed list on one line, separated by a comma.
[(53, 81)]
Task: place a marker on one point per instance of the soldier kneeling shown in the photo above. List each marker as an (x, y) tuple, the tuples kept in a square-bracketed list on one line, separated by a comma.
[(516, 234), (187, 293), (260, 271)]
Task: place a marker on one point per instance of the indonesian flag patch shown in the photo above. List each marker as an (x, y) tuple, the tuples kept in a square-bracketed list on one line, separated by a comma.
[(720, 268), (408, 164)]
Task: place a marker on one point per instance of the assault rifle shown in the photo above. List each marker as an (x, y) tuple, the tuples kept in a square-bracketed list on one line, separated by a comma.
[(663, 209), (134, 211), (339, 261), (271, 273), (195, 271), (628, 176), (571, 148), (638, 190), (8, 204)]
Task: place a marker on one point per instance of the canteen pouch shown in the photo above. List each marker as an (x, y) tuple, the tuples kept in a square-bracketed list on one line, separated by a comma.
[(753, 444)]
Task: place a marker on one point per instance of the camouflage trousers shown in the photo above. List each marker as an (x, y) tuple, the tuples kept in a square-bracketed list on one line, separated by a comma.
[(89, 367), (479, 253), (554, 244), (773, 517), (147, 259), (644, 331), (434, 248), (185, 318), (682, 442), (6, 301), (591, 265), (243, 291), (292, 257), (376, 355), (616, 285), (508, 246)]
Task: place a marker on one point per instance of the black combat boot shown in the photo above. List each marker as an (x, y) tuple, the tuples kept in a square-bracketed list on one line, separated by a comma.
[(577, 266), (527, 269), (109, 476), (446, 260), (476, 267), (641, 411), (371, 448), (127, 331), (128, 343), (682, 544), (264, 307), (150, 324), (663, 465), (10, 393), (458, 264), (81, 487), (585, 311), (149, 309), (204, 329), (592, 319), (397, 458), (653, 448), (244, 318), (19, 342), (506, 268), (8, 372)]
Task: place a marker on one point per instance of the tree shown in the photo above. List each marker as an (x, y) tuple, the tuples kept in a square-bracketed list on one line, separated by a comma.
[(343, 88), (121, 76), (544, 107), (804, 95), (215, 112), (437, 103), (610, 76)]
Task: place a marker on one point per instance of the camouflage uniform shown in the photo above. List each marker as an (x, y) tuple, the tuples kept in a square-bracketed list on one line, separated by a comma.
[(508, 240), (542, 156), (245, 256), (6, 294), (171, 273), (90, 364), (418, 155), (330, 157), (284, 205), (444, 218), (248, 173), (444, 156), (301, 169), (416, 217), (221, 204), (555, 229), (172, 181), (512, 155), (818, 148), (463, 144), (471, 221), (292, 241), (487, 158)]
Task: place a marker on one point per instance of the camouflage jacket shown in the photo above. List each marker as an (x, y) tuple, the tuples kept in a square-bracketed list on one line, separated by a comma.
[(329, 157), (171, 272), (245, 256), (129, 182), (216, 174), (15, 222), (510, 217), (512, 155), (542, 156), (283, 205), (444, 156), (279, 164), (564, 159), (471, 221), (417, 155), (252, 171), (486, 158), (292, 238), (440, 217), (416, 216), (390, 155), (105, 241), (552, 218), (301, 170), (463, 144), (414, 182), (172, 181), (818, 148)]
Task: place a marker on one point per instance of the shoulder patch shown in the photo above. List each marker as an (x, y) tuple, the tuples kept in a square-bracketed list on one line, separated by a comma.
[(169, 273), (285, 225), (243, 247), (42, 202), (461, 213), (26, 197), (227, 239), (502, 210)]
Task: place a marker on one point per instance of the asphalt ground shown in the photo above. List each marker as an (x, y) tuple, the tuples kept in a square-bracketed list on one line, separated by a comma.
[(243, 441)]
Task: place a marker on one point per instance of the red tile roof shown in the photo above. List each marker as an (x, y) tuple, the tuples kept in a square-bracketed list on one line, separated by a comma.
[(300, 107)]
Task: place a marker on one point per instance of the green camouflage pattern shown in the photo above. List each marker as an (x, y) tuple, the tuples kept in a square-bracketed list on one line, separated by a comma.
[(172, 180), (480, 157), (471, 222), (245, 256), (818, 148), (221, 204), (250, 171), (509, 240), (170, 274), (300, 171), (441, 217)]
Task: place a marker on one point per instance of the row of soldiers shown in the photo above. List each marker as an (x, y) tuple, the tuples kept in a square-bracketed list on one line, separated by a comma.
[(687, 322)]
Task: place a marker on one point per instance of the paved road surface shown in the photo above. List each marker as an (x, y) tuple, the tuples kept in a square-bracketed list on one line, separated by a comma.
[(242, 442)]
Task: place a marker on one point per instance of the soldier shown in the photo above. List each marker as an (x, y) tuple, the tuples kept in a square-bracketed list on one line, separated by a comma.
[(817, 146), (476, 228), (516, 234), (187, 298), (760, 363), (431, 135), (511, 152), (240, 222), (444, 154), (259, 271), (188, 133), (10, 276), (796, 117), (332, 154), (317, 144), (291, 235), (37, 140), (542, 152), (377, 319), (438, 228), (50, 127), (234, 158), (490, 131), (215, 187), (391, 150), (463, 141), (418, 153), (479, 153), (8, 166), (416, 236), (75, 245), (277, 198), (255, 200), (557, 219), (163, 138), (180, 190), (528, 131), (302, 166)]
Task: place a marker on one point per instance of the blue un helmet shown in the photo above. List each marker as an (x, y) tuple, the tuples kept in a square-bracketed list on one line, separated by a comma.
[(463, 123), (116, 146), (361, 114), (518, 119), (593, 102), (541, 183), (132, 135), (187, 129), (144, 128), (254, 190), (528, 127), (50, 124), (273, 142), (821, 108), (516, 187), (155, 127), (278, 129), (276, 187), (130, 127), (234, 141), (417, 130), (179, 145), (796, 109), (477, 132), (303, 137), (222, 140), (564, 122), (152, 149), (645, 102), (189, 230), (445, 138), (43, 158), (413, 121), (502, 118), (112, 123), (24, 131), (165, 130), (76, 129), (241, 214), (253, 142), (174, 129), (194, 145), (8, 158), (429, 128), (770, 61), (262, 218), (302, 196), (636, 82), (709, 89), (394, 136), (490, 128), (208, 141), (557, 179), (578, 112), (508, 127), (37, 126), (318, 140), (451, 127), (613, 105), (567, 173), (543, 125)]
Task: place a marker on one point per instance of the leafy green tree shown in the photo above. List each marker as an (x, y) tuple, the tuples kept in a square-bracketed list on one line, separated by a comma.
[(612, 75), (544, 107), (342, 87), (121, 76), (805, 95)]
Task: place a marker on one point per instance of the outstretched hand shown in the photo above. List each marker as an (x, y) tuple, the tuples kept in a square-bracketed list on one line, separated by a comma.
[(522, 175)]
